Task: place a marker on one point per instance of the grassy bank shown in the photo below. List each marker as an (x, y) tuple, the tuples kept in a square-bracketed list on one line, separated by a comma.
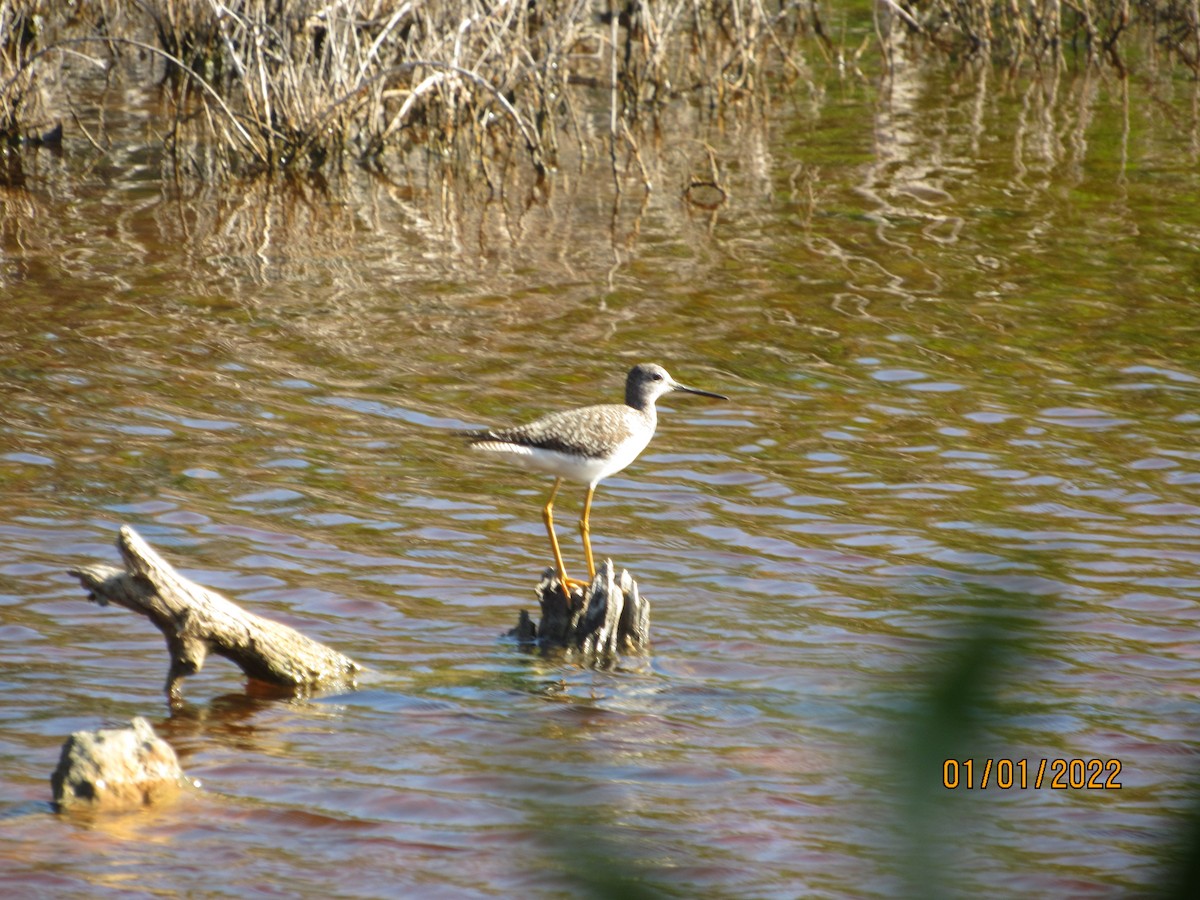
[(261, 86)]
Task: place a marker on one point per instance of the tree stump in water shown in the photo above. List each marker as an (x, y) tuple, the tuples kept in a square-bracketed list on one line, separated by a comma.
[(115, 769), (606, 618), (196, 622)]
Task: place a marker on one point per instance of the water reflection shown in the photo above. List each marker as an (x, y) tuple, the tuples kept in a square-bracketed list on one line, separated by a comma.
[(955, 319)]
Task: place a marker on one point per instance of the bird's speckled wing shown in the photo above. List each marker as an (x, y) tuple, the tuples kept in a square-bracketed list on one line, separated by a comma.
[(587, 431)]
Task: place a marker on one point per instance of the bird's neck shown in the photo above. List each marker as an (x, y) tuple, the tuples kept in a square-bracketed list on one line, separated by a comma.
[(646, 409), (639, 400)]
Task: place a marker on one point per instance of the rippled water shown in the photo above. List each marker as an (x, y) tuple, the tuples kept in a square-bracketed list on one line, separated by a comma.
[(957, 322)]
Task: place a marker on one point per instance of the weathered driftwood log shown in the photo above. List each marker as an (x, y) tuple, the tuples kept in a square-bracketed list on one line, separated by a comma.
[(606, 618), (115, 769), (196, 622)]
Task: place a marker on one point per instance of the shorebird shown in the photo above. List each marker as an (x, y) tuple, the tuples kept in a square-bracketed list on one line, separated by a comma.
[(587, 445)]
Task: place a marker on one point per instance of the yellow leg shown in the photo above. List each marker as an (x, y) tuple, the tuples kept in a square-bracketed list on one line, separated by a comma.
[(585, 531), (548, 518)]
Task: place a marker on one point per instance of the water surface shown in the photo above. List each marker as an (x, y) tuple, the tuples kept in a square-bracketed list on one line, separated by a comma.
[(957, 321)]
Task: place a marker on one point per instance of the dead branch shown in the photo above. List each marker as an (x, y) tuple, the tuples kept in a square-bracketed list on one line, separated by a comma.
[(197, 621)]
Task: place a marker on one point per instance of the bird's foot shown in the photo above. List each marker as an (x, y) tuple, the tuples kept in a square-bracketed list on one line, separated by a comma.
[(569, 584)]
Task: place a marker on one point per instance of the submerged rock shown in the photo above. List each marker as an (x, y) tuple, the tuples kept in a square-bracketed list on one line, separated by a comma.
[(113, 769)]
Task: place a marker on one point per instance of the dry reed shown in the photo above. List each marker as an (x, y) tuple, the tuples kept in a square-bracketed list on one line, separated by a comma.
[(263, 86)]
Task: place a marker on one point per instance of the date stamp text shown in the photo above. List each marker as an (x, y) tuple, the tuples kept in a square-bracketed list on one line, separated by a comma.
[(1057, 774)]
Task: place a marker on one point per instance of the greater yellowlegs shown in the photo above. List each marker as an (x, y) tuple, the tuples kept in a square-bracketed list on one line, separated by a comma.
[(586, 445)]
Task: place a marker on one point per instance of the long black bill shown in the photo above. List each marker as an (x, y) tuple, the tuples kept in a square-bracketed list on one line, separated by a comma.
[(691, 390)]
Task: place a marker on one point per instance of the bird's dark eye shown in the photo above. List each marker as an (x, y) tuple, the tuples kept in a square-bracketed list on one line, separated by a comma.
[(657, 376)]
